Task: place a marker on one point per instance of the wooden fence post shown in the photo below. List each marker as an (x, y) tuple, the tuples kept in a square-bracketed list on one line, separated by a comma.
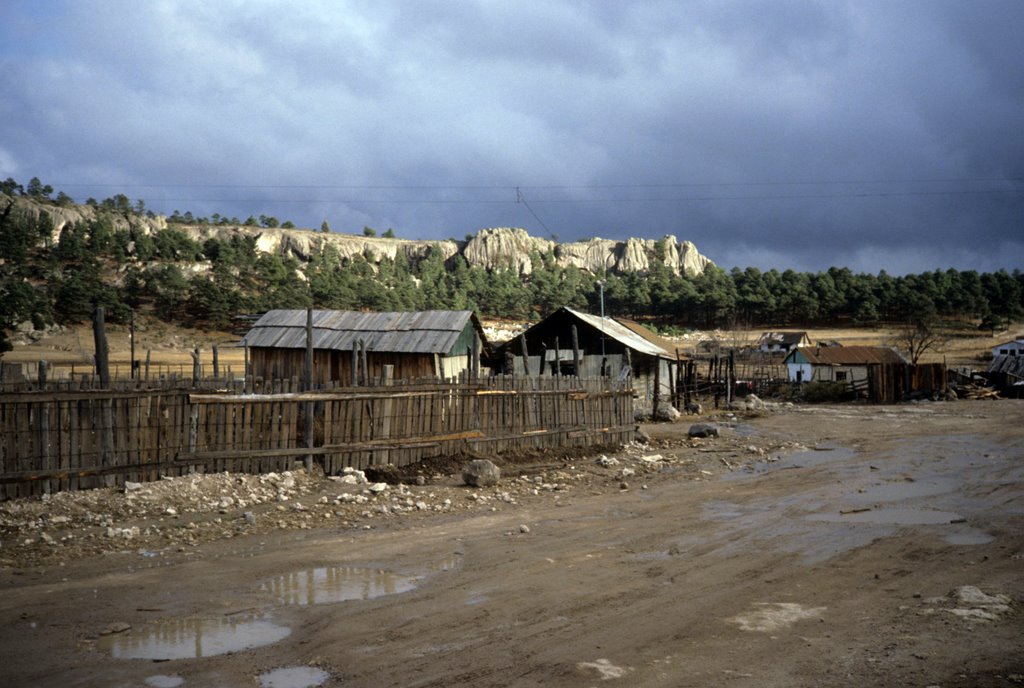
[(216, 362), (307, 386), (131, 342), (99, 334), (355, 363), (197, 368), (575, 352), (656, 399), (365, 377), (526, 355)]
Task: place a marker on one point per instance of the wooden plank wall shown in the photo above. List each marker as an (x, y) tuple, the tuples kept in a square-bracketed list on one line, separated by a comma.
[(65, 437)]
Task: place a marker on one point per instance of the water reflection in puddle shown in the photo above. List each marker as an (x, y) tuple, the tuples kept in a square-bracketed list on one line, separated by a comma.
[(329, 584), (337, 584), (908, 490), (294, 677), (164, 681), (899, 517), (191, 638), (969, 537)]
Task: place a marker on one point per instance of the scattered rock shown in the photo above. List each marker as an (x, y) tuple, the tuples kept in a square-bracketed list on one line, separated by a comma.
[(250, 518), (703, 430), (607, 461), (481, 473), (667, 412), (524, 528), (115, 627)]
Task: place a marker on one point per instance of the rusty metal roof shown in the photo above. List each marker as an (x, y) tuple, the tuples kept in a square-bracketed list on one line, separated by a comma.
[(401, 332), (848, 355), (622, 334)]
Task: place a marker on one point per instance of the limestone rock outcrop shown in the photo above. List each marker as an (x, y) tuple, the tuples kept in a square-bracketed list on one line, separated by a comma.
[(496, 248)]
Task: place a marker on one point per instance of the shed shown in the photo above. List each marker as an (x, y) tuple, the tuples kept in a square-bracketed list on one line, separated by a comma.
[(603, 343), (1014, 347), (837, 363), (782, 342), (422, 344)]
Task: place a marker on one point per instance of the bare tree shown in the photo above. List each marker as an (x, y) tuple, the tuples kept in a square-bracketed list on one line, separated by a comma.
[(920, 336)]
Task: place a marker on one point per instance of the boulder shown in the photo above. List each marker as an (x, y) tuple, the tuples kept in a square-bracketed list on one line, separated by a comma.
[(667, 412), (703, 430), (481, 473)]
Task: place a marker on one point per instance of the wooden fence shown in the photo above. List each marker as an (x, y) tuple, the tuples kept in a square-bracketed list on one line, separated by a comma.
[(67, 438)]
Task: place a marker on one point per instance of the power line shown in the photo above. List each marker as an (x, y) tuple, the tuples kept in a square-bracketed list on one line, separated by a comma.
[(549, 201), (520, 199), (558, 187)]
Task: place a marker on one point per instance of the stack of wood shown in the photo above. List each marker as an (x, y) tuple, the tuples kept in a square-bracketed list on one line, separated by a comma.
[(972, 391)]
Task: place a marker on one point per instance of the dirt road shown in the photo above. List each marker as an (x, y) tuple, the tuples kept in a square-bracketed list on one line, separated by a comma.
[(888, 552)]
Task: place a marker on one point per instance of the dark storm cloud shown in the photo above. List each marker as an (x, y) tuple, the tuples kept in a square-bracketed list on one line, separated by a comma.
[(876, 135)]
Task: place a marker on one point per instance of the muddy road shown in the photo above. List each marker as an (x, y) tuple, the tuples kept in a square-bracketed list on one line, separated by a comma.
[(806, 546)]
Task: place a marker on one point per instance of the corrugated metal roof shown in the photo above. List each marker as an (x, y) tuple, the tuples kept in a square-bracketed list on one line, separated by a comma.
[(1013, 365), (622, 334), (402, 332), (656, 339), (849, 355)]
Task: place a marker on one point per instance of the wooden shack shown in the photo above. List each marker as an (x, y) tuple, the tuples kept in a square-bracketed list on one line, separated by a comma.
[(847, 364), (422, 344), (603, 346)]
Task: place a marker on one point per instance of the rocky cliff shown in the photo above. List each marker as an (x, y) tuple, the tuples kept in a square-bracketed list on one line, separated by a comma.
[(508, 247), (492, 248)]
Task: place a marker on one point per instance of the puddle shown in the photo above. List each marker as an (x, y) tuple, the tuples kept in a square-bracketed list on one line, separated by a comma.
[(326, 585), (294, 677), (191, 638), (899, 517), (817, 456), (744, 430), (330, 584), (890, 492), (969, 537), (164, 681)]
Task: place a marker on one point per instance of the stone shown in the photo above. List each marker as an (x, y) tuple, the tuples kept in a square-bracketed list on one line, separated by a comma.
[(377, 488), (132, 487), (641, 436), (250, 518), (693, 408), (115, 627), (668, 413), (607, 462), (524, 528), (703, 430), (481, 473)]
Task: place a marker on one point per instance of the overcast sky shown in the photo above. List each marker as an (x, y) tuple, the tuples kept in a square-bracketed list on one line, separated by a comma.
[(873, 135)]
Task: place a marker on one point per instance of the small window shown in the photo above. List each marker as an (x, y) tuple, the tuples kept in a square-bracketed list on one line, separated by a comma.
[(1003, 352), (840, 376)]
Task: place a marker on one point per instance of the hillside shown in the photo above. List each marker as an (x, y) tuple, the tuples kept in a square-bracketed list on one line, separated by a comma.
[(490, 248)]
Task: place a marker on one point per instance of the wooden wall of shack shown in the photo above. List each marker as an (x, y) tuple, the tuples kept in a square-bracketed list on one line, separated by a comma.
[(336, 366), (889, 383)]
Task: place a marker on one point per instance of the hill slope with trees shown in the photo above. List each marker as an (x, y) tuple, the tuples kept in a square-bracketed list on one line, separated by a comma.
[(125, 258)]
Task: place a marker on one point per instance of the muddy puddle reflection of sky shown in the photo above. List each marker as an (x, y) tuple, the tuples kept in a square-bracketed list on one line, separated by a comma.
[(936, 484), (194, 637)]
